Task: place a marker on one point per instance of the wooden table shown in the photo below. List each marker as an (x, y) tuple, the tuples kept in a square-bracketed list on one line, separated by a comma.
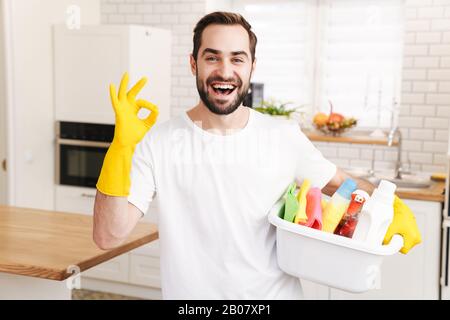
[(42, 252)]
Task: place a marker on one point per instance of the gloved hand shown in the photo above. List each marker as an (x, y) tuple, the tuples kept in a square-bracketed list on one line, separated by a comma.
[(404, 224), (114, 179)]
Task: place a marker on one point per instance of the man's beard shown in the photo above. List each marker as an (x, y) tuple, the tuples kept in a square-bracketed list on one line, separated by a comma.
[(217, 108)]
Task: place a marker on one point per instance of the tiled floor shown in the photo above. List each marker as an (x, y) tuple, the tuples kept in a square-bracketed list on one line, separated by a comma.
[(81, 294)]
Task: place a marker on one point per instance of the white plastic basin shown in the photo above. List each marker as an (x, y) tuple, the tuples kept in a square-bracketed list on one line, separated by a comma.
[(329, 259)]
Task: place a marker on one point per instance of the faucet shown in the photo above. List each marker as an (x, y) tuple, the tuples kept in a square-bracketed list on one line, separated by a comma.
[(398, 165)]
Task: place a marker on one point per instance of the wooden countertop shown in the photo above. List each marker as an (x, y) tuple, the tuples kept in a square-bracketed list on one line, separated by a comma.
[(356, 136), (435, 192), (44, 244)]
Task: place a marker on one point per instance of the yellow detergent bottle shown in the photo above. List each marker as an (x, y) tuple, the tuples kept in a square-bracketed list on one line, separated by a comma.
[(337, 206)]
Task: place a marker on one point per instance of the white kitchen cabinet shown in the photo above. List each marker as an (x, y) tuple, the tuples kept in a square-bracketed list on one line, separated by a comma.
[(87, 60), (116, 269), (74, 199), (415, 275), (445, 268), (3, 139), (144, 270)]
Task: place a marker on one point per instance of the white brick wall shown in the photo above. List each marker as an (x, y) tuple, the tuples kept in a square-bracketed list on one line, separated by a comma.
[(178, 15), (427, 22), (425, 112)]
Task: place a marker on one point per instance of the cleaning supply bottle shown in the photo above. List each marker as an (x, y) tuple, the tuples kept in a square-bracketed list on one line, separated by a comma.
[(323, 204), (314, 209), (376, 215), (337, 206), (301, 216), (348, 223)]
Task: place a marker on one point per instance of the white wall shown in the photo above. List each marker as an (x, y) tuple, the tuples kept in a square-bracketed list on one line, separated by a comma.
[(32, 108), (426, 83), (218, 5), (2, 111)]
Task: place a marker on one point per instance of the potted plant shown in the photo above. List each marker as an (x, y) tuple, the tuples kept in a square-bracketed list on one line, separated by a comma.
[(276, 108)]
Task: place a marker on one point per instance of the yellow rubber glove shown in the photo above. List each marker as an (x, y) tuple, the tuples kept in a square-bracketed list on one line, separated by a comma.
[(114, 179), (404, 224)]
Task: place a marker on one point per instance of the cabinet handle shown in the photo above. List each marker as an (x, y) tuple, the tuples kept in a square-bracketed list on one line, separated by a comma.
[(87, 195), (446, 256), (4, 164), (82, 143)]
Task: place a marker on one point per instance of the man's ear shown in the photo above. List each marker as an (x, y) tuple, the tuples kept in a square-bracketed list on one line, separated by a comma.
[(193, 64), (253, 66)]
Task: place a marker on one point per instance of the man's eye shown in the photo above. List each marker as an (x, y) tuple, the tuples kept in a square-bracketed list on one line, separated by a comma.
[(211, 59), (238, 60)]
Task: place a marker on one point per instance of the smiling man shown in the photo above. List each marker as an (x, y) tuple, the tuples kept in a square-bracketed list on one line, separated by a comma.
[(215, 171)]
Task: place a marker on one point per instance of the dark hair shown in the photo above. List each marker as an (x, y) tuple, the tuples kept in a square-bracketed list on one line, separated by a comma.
[(224, 18)]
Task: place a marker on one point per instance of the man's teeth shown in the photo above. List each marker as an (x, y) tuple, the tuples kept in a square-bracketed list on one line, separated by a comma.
[(223, 86)]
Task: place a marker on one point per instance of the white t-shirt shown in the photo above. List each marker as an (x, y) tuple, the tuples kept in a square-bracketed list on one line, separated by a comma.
[(214, 193)]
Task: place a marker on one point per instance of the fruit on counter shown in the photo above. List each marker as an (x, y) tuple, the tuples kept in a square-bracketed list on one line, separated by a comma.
[(320, 119), (333, 122), (334, 117), (348, 122)]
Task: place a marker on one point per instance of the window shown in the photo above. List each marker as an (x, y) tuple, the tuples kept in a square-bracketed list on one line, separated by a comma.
[(360, 63), (284, 50), (348, 52)]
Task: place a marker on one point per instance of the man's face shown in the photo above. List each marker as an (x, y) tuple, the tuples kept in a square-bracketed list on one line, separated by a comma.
[(223, 68)]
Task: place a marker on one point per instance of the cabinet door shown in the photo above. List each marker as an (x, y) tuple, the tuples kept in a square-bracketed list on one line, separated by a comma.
[(145, 270), (74, 199), (415, 275), (144, 261), (86, 62), (150, 52), (150, 249), (445, 268), (115, 269)]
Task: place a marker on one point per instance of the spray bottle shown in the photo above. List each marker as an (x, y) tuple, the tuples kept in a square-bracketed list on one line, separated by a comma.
[(337, 206), (376, 215)]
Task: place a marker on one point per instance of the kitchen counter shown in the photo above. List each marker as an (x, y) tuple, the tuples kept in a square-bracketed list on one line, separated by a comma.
[(435, 192), (355, 137), (39, 249)]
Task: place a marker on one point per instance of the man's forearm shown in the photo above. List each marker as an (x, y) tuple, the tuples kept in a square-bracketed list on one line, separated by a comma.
[(364, 185), (340, 177), (112, 220)]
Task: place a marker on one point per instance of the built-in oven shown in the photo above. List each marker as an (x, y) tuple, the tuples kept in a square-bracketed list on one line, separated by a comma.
[(80, 149)]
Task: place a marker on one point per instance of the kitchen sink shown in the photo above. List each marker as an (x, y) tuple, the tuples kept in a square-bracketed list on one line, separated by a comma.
[(404, 182), (409, 181)]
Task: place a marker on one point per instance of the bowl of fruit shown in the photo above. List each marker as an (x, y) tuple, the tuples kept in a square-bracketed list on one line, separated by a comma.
[(334, 123)]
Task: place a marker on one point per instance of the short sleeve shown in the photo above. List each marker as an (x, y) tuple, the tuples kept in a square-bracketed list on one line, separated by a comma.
[(143, 187), (312, 164)]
